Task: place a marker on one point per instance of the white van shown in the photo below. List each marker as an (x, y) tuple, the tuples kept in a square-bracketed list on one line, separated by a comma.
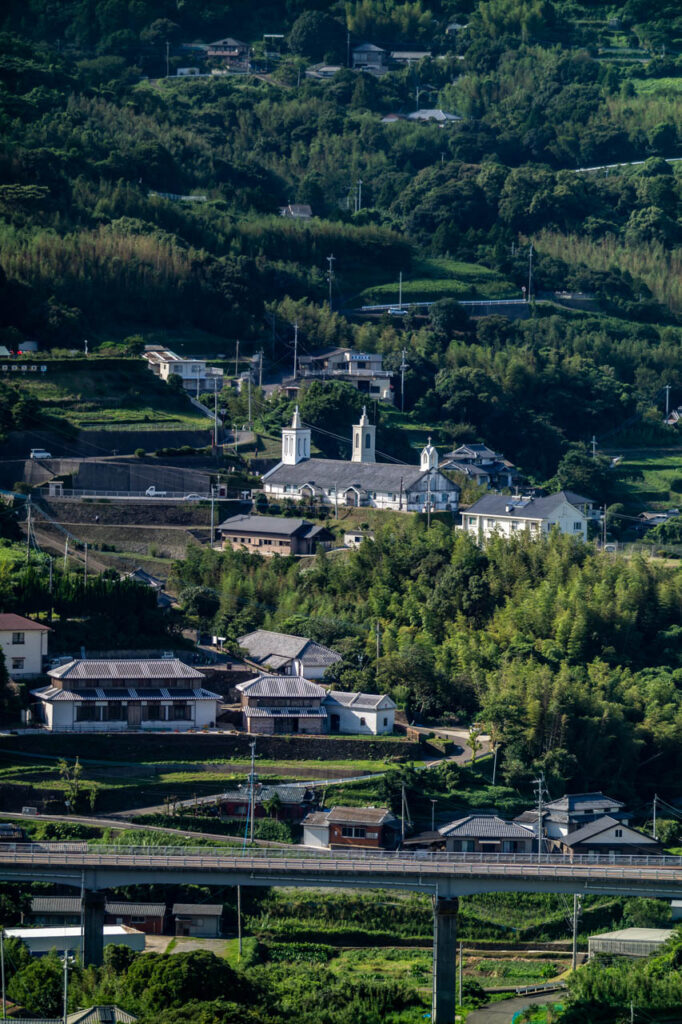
[(40, 453)]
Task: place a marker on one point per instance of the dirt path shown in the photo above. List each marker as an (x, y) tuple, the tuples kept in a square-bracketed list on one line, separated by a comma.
[(503, 1012)]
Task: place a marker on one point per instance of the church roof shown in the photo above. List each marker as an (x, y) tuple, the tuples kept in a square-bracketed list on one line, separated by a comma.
[(368, 476)]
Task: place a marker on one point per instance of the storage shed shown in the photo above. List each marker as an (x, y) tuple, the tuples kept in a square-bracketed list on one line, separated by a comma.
[(629, 942)]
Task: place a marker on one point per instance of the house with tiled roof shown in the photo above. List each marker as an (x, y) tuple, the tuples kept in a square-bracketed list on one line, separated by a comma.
[(606, 836), (288, 654), (201, 920), (291, 803), (65, 911), (477, 833), (351, 827), (276, 704), (370, 713), (506, 516), (24, 644), (482, 465), (273, 535), (110, 695)]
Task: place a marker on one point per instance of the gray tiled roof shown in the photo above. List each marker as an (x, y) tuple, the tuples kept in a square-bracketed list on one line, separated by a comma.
[(484, 826), (358, 701), (125, 668), (101, 1015), (583, 802), (529, 508), (368, 476), (476, 450), (287, 794), (268, 525), (285, 713), (280, 686), (198, 909), (55, 905), (136, 909), (277, 649), (595, 828), (52, 694), (316, 818), (360, 815)]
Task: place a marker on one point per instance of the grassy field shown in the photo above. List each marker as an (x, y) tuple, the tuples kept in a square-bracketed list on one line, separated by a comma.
[(125, 396), (435, 279), (656, 475)]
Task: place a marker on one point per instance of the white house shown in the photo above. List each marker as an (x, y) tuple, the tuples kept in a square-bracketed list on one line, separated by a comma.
[(194, 373), (24, 644), (363, 482), (288, 654), (110, 695), (369, 713), (506, 516)]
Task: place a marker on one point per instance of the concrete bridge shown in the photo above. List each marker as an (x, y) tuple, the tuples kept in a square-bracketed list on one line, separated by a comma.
[(444, 876)]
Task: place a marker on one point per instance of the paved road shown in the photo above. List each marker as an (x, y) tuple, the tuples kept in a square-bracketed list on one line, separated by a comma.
[(502, 1013)]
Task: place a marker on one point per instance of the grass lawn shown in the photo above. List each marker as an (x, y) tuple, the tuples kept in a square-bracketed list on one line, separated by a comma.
[(656, 482), (90, 395), (657, 86), (434, 279)]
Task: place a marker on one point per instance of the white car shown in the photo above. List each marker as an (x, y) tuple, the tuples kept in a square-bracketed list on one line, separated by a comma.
[(152, 492), (40, 453), (397, 311)]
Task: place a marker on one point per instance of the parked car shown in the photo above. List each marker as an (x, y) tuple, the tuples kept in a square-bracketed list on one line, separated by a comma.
[(152, 492), (40, 453), (194, 497), (397, 311)]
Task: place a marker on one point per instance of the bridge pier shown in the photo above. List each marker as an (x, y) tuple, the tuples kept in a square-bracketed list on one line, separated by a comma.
[(93, 928), (444, 956)]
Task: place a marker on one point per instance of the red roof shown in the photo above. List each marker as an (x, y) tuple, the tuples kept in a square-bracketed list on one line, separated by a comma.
[(18, 622)]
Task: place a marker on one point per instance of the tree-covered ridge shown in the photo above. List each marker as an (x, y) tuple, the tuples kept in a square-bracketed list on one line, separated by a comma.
[(571, 658)]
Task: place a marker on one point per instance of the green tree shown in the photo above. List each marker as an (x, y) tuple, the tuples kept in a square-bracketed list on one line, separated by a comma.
[(38, 986), (316, 35)]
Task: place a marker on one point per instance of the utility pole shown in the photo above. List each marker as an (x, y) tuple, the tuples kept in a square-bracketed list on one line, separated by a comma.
[(85, 346), (655, 802), (66, 986), (215, 411), (540, 784), (252, 784), (28, 531), (212, 515), (167, 59), (530, 271), (400, 290), (296, 348), (459, 973), (433, 814), (260, 369), (330, 275), (603, 539), (2, 972), (593, 442), (402, 812), (632, 1012), (494, 763), (428, 502), (239, 918), (66, 552), (359, 193), (249, 390), (667, 400), (236, 360), (576, 912), (85, 566), (403, 367), (378, 639), (348, 48)]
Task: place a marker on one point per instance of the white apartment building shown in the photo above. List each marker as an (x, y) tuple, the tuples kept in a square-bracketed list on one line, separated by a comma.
[(504, 515), (24, 644)]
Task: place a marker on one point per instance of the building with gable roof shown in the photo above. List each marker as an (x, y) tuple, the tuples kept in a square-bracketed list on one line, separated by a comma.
[(354, 827), (277, 704), (481, 464), (362, 482), (24, 644), (273, 535), (288, 654), (504, 515), (368, 57), (108, 695), (370, 713), (606, 836)]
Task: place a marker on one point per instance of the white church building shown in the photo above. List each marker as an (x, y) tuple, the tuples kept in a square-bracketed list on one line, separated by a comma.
[(362, 482)]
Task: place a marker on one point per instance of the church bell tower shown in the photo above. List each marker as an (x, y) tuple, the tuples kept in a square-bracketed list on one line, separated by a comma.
[(364, 440)]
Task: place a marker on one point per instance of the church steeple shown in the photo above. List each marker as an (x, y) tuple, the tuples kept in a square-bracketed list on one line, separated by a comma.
[(364, 440), (429, 457), (295, 441)]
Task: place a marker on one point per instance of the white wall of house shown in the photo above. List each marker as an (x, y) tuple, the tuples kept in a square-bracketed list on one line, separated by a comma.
[(61, 717), (443, 499), (24, 651), (566, 517), (618, 835), (316, 835), (352, 720)]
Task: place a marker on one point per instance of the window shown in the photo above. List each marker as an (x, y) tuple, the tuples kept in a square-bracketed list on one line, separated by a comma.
[(18, 638), (113, 712), (577, 526), (367, 441), (372, 835), (18, 664), (385, 721), (467, 845), (472, 520), (363, 722), (619, 833), (88, 713), (154, 712), (138, 920), (357, 440), (181, 712), (353, 832)]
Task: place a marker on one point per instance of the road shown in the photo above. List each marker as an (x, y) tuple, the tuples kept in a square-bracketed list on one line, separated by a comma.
[(502, 1013)]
